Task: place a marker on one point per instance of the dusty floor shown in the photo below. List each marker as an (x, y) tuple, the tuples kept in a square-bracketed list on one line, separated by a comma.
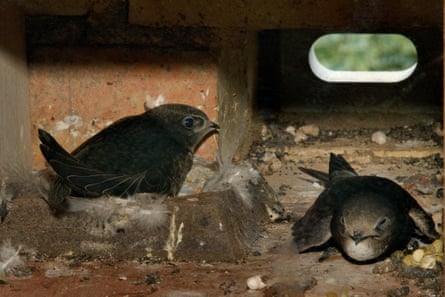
[(412, 156)]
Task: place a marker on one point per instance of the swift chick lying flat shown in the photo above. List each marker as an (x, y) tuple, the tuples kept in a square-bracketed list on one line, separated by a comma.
[(366, 217)]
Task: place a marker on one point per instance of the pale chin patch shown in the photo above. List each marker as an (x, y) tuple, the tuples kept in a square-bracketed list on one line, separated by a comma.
[(362, 251)]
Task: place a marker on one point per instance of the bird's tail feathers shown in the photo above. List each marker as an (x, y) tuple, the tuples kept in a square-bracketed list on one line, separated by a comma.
[(62, 162), (339, 167), (323, 177), (50, 142), (86, 180)]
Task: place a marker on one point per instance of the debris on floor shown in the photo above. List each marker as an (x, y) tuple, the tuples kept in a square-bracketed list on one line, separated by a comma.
[(410, 155)]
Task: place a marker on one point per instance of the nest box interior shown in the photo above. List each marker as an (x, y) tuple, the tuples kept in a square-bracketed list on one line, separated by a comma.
[(72, 68)]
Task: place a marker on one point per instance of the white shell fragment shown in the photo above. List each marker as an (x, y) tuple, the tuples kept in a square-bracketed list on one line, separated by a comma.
[(303, 133), (378, 137), (255, 283), (300, 136)]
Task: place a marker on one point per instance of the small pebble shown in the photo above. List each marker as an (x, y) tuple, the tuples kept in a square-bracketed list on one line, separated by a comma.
[(428, 262), (275, 165), (300, 136), (439, 193), (268, 156), (438, 129), (290, 130), (265, 133), (436, 247), (399, 292), (379, 137), (418, 255), (310, 129), (384, 267), (255, 283)]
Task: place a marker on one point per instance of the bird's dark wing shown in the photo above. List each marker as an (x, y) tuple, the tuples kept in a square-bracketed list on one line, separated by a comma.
[(314, 228), (402, 200), (121, 129), (133, 145), (423, 222), (121, 185), (92, 182), (396, 197)]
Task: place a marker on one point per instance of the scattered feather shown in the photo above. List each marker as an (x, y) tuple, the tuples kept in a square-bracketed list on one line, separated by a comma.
[(110, 214), (202, 171), (10, 262), (236, 178)]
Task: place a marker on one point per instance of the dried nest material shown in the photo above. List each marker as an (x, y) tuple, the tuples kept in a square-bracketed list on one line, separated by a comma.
[(427, 257), (420, 262), (424, 265), (247, 184)]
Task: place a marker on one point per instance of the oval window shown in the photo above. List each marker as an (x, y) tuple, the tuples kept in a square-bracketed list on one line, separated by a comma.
[(371, 58)]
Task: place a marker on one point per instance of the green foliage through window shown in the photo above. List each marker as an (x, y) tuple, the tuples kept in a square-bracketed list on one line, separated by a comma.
[(365, 52)]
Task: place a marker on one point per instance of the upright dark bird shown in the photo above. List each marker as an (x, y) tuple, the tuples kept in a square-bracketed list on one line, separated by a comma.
[(366, 217), (151, 152)]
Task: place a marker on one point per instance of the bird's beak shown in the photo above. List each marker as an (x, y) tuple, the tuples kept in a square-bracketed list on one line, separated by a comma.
[(214, 126), (357, 236)]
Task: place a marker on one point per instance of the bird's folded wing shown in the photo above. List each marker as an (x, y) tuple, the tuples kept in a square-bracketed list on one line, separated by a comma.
[(424, 222), (90, 181), (314, 228), (121, 185)]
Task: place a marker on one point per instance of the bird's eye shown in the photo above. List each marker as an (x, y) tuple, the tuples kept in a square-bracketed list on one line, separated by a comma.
[(188, 122), (342, 225), (382, 224)]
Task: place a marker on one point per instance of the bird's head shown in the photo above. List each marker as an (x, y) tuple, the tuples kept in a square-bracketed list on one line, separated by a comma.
[(365, 227), (188, 123)]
